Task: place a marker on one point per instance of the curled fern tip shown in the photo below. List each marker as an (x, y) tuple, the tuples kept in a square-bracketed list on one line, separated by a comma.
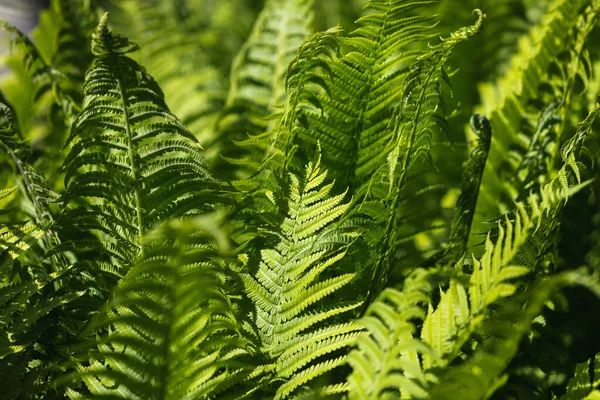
[(105, 43)]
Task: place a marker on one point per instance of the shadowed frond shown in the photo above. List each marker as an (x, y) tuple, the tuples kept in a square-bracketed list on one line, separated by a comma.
[(173, 327), (38, 197), (258, 82), (130, 158)]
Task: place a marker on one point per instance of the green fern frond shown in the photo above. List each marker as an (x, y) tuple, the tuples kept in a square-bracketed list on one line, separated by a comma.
[(287, 288), (365, 86), (467, 200), (34, 326), (508, 100), (38, 194), (258, 77), (412, 126), (34, 184), (306, 78), (457, 315), (130, 158), (481, 374), (585, 381), (385, 362), (173, 328)]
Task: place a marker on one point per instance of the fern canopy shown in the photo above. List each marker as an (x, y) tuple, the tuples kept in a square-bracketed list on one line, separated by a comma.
[(299, 199)]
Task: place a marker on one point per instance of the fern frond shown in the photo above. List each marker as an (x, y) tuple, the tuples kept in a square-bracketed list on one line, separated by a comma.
[(34, 328), (36, 188), (305, 76), (258, 79), (37, 193), (457, 314), (507, 101), (412, 126), (481, 375), (365, 87), (287, 288), (173, 328), (385, 362), (130, 157)]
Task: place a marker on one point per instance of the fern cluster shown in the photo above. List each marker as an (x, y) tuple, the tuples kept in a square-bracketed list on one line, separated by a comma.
[(368, 199)]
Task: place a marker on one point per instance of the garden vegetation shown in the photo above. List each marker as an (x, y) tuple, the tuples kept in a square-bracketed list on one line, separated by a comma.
[(248, 199)]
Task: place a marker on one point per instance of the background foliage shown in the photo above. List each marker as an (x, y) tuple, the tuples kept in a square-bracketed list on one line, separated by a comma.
[(367, 199)]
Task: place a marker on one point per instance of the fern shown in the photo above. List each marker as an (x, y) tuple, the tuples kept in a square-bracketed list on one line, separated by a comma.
[(173, 332), (313, 226), (411, 127), (73, 56), (43, 76), (125, 137), (505, 102), (364, 87), (480, 376), (286, 288), (258, 81), (457, 314), (385, 363), (166, 33)]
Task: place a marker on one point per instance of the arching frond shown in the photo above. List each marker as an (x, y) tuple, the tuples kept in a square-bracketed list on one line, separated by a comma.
[(38, 195), (467, 200), (304, 77), (130, 158), (173, 328), (412, 126)]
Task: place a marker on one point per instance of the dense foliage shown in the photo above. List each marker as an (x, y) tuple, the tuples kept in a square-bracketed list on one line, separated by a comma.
[(367, 199)]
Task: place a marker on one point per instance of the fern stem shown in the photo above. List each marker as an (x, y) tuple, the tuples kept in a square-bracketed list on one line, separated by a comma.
[(133, 167)]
